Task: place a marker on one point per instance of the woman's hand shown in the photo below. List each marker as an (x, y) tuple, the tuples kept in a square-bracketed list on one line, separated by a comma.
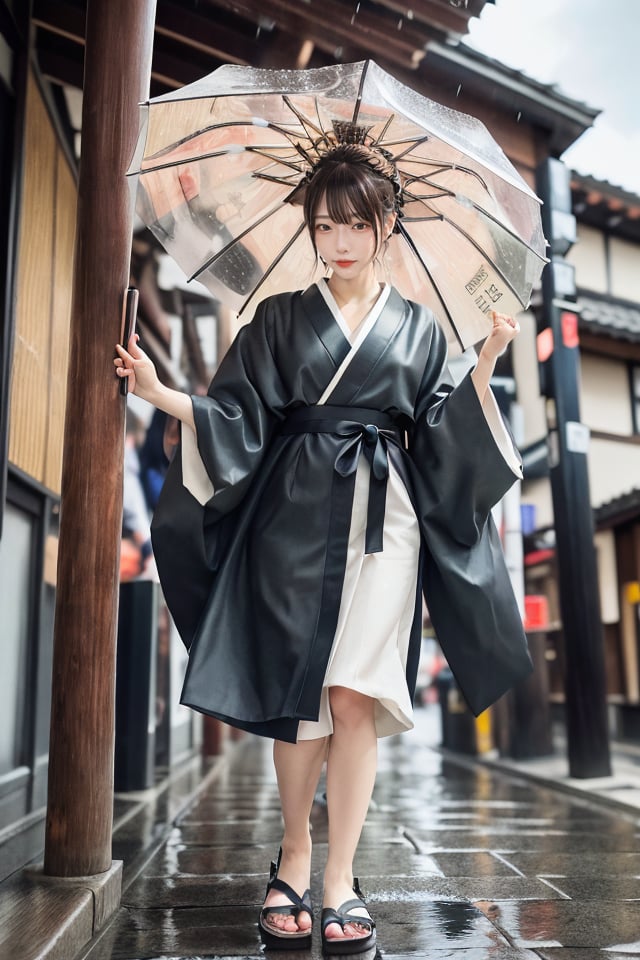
[(503, 331), (135, 365)]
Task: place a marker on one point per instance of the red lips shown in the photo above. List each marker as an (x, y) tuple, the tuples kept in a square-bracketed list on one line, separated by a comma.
[(344, 263)]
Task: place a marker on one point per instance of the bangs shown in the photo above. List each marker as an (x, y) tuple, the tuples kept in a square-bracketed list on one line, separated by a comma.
[(350, 196)]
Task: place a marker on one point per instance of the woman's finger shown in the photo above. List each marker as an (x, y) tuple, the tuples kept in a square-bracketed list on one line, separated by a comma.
[(133, 347)]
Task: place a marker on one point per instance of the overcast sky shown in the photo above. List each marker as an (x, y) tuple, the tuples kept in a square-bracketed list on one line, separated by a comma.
[(591, 50)]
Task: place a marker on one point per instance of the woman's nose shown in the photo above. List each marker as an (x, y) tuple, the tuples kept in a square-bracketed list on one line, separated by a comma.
[(342, 240)]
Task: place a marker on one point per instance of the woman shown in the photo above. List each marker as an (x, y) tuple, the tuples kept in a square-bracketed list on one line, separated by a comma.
[(295, 531)]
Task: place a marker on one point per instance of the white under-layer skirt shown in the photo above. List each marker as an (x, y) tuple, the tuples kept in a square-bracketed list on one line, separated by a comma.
[(369, 651)]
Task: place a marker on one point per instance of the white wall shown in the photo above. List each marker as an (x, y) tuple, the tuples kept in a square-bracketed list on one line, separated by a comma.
[(605, 395), (614, 469), (538, 493), (625, 269), (588, 256), (525, 368)]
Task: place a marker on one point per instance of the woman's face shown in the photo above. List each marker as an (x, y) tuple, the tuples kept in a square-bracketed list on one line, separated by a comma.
[(348, 248)]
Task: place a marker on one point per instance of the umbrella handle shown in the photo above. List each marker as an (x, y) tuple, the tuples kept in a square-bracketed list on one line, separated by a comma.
[(129, 316)]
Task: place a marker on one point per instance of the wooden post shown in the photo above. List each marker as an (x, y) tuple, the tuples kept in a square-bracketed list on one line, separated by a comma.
[(119, 40)]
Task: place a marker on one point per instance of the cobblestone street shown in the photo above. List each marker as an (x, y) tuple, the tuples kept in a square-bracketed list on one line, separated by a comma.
[(455, 856)]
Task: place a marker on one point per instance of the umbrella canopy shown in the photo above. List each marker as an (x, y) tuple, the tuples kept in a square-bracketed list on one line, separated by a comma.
[(221, 161)]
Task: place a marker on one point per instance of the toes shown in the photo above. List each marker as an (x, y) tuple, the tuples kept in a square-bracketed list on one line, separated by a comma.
[(356, 931), (351, 931), (288, 923), (334, 932)]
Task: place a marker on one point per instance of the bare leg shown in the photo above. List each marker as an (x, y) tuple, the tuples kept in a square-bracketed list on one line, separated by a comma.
[(351, 772), (298, 767)]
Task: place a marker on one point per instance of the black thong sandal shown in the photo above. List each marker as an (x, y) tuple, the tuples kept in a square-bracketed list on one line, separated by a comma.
[(343, 916), (273, 938)]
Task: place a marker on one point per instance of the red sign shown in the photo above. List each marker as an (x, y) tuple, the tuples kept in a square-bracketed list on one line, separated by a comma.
[(569, 323), (544, 342), (536, 612)]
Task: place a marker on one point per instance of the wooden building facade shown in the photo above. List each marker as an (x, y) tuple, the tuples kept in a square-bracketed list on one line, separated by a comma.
[(42, 67)]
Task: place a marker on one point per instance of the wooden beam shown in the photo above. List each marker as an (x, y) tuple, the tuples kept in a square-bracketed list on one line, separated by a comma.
[(177, 65), (331, 25), (606, 345), (59, 58), (435, 13), (208, 34), (62, 17), (80, 795)]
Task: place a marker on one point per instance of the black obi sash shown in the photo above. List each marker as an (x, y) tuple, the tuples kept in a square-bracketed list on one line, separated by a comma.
[(363, 432)]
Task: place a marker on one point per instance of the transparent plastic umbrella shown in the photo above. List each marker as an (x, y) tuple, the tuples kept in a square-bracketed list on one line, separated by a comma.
[(221, 165)]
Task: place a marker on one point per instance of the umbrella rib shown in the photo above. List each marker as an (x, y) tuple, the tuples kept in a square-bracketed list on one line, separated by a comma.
[(499, 223), (358, 103), (278, 160), (483, 253), (376, 142), (220, 126), (432, 281), (325, 138), (305, 122), (414, 144), (442, 168), (216, 256), (272, 178), (290, 135), (510, 231), (210, 156), (476, 206), (273, 265)]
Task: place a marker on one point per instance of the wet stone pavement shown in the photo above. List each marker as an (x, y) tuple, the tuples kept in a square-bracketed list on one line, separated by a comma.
[(457, 861)]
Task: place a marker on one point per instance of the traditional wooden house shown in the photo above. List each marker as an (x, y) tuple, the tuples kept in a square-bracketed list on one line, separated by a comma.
[(606, 258), (42, 73)]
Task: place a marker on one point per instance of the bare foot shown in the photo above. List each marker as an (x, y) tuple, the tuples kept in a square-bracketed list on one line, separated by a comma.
[(335, 896), (294, 870)]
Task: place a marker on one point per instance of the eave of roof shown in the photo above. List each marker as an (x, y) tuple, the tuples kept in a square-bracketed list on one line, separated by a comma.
[(620, 509), (606, 207), (538, 103), (618, 319)]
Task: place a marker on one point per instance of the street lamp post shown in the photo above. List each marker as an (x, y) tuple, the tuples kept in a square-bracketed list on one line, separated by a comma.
[(568, 442)]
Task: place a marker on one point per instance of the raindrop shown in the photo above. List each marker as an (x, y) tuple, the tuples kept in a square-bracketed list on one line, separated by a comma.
[(518, 116), (258, 31), (409, 14), (400, 23), (458, 90), (357, 8)]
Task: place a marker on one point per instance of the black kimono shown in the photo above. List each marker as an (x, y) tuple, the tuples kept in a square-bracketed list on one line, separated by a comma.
[(253, 565)]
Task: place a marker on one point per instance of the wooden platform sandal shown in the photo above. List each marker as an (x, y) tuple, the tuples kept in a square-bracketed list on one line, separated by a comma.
[(272, 937), (343, 916)]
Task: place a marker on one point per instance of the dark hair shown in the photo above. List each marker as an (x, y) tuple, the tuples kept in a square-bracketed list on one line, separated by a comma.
[(352, 186)]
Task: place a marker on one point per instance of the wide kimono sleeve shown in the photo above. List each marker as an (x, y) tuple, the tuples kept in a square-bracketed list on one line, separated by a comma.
[(214, 467), (463, 462)]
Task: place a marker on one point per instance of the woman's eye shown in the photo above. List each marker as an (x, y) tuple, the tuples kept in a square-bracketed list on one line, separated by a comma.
[(360, 226), (322, 227)]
